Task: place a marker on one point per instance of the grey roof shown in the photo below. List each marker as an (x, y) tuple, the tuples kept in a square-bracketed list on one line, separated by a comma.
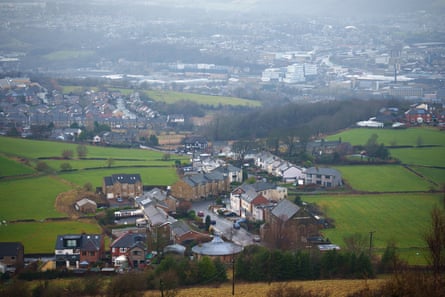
[(122, 178), (86, 242), (285, 210), (257, 187), (217, 247), (128, 240), (323, 171), (85, 201), (180, 228), (10, 248)]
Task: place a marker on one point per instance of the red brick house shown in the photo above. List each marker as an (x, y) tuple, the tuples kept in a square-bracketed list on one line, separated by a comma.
[(288, 226), (75, 249)]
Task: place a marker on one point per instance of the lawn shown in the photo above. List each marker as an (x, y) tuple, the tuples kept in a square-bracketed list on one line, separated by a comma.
[(30, 198), (82, 164), (427, 156), (383, 178), (40, 237), (160, 176), (393, 137), (12, 168), (399, 217)]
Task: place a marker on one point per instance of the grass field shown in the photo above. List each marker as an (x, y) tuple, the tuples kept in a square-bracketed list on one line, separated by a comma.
[(399, 217), (393, 137), (383, 178), (434, 174), (10, 167), (39, 149), (427, 156), (40, 237), (150, 176), (173, 97), (30, 198)]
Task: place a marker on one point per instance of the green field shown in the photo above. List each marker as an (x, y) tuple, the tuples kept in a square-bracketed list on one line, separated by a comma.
[(40, 237), (173, 97), (427, 156), (30, 198), (399, 217), (393, 137), (383, 178), (161, 176), (9, 167)]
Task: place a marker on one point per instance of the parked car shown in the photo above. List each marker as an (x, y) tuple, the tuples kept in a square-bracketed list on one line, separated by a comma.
[(200, 213)]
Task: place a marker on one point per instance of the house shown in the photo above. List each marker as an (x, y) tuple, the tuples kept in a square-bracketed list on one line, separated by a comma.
[(160, 197), (122, 185), (195, 143), (418, 114), (288, 226), (200, 185), (234, 174), (132, 246), (12, 256), (86, 205), (246, 197), (73, 249), (293, 174), (324, 177), (183, 234)]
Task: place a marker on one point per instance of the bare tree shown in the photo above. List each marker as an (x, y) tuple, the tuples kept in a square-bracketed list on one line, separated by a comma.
[(435, 239)]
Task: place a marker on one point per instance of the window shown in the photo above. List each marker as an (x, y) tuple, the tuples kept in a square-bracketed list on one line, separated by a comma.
[(92, 254), (123, 250), (84, 253), (136, 253), (71, 243)]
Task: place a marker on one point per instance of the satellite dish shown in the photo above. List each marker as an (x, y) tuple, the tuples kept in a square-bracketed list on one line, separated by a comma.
[(419, 120)]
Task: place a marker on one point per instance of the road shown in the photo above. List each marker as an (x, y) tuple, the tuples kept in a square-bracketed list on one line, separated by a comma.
[(224, 226)]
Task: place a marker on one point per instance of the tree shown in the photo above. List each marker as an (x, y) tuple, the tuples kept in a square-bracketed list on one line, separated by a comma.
[(110, 162), (43, 167), (65, 166), (67, 154), (153, 140), (435, 239), (356, 243), (242, 147), (88, 187), (82, 150), (207, 269)]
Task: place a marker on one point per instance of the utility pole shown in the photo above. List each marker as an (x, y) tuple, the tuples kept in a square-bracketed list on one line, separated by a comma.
[(233, 274), (371, 233)]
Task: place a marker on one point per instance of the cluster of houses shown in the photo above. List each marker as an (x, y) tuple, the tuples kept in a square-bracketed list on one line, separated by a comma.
[(417, 114), (152, 229)]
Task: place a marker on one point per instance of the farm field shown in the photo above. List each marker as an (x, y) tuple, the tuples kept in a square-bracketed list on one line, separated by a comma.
[(436, 175), (172, 97), (426, 156), (160, 176), (399, 217), (49, 149), (30, 198), (10, 167), (40, 237), (393, 137), (383, 178)]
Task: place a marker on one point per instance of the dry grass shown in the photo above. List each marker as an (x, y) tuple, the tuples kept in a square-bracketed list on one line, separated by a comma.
[(337, 288)]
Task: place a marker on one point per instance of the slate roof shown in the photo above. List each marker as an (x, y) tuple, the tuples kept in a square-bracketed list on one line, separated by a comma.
[(323, 171), (285, 210), (86, 242), (10, 248), (180, 228), (122, 178), (128, 240)]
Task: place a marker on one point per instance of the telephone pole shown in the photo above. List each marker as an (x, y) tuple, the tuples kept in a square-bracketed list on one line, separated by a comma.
[(371, 233)]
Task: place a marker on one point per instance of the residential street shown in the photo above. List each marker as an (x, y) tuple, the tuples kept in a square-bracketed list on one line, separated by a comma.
[(224, 226)]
